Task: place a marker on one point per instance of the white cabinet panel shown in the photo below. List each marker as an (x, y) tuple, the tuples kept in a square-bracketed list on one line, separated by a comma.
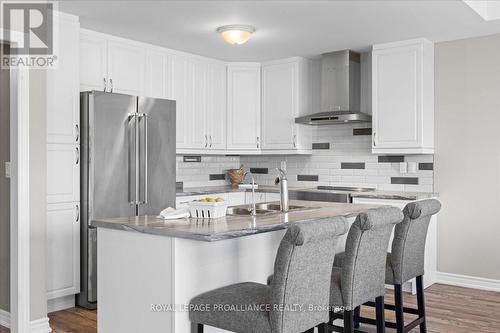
[(259, 197), (271, 196), (155, 82), (126, 68), (63, 250), (93, 62), (403, 97), (279, 105), (198, 131), (63, 98), (179, 93), (63, 173), (216, 119), (243, 114)]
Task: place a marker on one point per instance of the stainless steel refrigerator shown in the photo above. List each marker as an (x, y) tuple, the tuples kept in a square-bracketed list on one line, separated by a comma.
[(127, 167)]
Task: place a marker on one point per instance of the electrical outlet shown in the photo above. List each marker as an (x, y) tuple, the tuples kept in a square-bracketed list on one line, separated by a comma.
[(412, 167), (7, 169)]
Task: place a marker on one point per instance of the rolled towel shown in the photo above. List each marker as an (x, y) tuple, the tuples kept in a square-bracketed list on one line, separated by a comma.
[(171, 213)]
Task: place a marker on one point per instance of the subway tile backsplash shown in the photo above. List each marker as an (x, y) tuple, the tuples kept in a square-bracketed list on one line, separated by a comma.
[(198, 174), (346, 148)]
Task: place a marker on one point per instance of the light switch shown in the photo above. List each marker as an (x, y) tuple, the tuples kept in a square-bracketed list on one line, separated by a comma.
[(7, 169), (403, 167)]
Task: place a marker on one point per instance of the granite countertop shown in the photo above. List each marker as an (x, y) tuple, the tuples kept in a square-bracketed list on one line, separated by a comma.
[(393, 195), (231, 226)]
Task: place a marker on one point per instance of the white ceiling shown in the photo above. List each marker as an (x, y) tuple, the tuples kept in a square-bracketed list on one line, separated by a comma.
[(284, 28)]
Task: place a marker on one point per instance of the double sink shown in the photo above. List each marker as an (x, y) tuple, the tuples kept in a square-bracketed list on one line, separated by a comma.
[(263, 208)]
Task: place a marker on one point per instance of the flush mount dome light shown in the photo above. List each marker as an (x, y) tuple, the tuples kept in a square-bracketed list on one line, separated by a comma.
[(236, 34)]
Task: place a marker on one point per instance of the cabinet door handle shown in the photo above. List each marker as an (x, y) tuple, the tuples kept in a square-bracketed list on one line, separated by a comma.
[(374, 143), (211, 141), (77, 155), (295, 141), (105, 84), (257, 142), (77, 209), (111, 84), (206, 141), (77, 132)]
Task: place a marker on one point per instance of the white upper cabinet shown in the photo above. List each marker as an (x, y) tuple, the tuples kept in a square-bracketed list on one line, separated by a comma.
[(217, 101), (93, 62), (403, 97), (178, 92), (111, 64), (285, 96), (125, 68), (63, 99), (243, 107), (198, 93)]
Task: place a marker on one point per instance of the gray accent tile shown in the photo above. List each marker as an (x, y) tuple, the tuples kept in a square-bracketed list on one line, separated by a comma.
[(404, 180), (391, 159), (425, 166), (321, 145), (218, 176), (307, 178), (351, 165), (179, 186), (263, 171), (192, 158), (361, 131)]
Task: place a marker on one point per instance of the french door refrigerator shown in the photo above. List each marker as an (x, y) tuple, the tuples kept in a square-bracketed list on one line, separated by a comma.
[(127, 167)]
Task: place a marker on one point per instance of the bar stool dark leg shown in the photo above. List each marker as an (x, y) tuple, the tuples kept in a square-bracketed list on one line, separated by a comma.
[(421, 303), (348, 322), (200, 328), (380, 314), (323, 328), (311, 330), (398, 302), (356, 315)]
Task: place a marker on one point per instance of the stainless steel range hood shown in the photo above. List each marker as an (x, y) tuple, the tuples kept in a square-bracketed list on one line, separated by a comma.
[(340, 91)]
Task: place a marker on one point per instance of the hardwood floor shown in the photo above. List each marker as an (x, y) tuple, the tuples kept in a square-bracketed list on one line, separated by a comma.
[(449, 310)]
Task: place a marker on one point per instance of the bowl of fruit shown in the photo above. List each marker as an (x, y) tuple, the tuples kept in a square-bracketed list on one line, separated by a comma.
[(208, 208)]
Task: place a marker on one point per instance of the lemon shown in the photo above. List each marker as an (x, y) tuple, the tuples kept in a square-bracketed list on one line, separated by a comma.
[(211, 200), (219, 200)]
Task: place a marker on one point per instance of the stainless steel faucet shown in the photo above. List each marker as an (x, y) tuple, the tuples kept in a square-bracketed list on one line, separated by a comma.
[(283, 181), (252, 207)]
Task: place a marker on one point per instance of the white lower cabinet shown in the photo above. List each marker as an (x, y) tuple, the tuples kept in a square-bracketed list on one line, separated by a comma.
[(63, 249), (63, 173), (430, 244)]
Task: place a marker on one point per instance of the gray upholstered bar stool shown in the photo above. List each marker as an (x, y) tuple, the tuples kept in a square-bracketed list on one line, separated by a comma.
[(406, 262), (301, 275), (358, 274)]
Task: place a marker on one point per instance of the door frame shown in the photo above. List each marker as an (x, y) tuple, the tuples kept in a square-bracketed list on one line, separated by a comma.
[(20, 193)]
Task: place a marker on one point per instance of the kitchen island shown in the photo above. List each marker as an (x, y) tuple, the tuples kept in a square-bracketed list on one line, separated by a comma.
[(149, 268)]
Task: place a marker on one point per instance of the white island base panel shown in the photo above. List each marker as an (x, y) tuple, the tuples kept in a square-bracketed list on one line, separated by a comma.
[(139, 270)]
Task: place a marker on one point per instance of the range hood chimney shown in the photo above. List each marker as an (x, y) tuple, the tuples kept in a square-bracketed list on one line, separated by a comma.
[(340, 91)]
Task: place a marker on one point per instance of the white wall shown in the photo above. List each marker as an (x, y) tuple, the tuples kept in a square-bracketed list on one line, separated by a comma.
[(467, 158)]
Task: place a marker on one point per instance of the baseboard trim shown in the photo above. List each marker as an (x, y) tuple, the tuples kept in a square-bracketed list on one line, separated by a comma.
[(60, 303), (468, 281), (40, 326), (4, 318)]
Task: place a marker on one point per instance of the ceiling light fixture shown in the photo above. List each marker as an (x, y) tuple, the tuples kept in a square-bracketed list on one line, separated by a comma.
[(236, 34)]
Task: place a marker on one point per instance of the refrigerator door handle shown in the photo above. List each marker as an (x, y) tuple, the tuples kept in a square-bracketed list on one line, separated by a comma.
[(132, 195), (145, 116)]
